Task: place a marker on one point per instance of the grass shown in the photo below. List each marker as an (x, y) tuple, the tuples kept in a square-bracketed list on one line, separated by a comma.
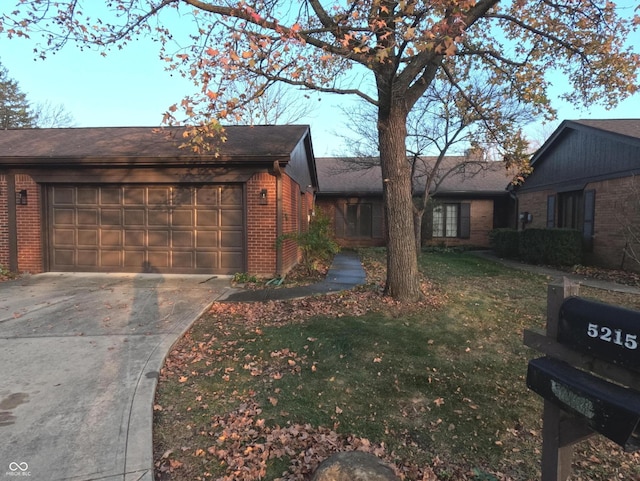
[(266, 391)]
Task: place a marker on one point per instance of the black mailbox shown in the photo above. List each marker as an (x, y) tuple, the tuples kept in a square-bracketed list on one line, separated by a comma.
[(609, 409), (611, 333)]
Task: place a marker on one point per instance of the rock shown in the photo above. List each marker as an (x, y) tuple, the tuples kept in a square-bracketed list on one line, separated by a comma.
[(353, 466)]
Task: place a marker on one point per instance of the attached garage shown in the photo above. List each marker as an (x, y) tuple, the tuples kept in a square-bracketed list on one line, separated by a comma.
[(132, 200), (145, 228)]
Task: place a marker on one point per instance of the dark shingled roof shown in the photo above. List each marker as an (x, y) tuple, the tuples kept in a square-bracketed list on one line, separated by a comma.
[(159, 143), (628, 127), (488, 178)]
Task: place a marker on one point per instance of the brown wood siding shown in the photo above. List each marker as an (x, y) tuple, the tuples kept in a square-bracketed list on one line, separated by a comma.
[(146, 228)]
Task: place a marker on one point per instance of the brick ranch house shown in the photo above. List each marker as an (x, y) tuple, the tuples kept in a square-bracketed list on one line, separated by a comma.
[(584, 177), (130, 200), (469, 199)]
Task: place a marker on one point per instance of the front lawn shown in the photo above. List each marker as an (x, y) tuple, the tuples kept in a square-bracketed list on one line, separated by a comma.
[(268, 390)]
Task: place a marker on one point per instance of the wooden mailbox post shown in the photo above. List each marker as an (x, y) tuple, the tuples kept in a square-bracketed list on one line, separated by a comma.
[(589, 378)]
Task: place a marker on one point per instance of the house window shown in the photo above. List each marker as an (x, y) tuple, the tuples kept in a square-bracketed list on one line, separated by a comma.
[(451, 220), (570, 210), (360, 220)]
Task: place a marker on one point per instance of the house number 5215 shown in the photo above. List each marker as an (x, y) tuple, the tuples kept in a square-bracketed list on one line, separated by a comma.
[(604, 333)]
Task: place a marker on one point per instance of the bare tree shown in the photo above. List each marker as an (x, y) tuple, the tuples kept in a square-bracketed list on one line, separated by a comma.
[(48, 115), (478, 122)]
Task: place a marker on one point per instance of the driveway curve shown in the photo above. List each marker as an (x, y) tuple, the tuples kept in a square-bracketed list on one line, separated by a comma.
[(79, 360)]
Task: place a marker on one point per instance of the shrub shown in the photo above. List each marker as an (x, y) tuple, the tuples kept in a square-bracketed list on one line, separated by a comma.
[(317, 244), (558, 247), (505, 242)]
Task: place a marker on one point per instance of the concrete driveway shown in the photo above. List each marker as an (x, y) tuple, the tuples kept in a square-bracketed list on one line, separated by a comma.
[(79, 362)]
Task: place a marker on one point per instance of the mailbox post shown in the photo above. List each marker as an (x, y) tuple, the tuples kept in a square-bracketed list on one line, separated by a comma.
[(584, 338)]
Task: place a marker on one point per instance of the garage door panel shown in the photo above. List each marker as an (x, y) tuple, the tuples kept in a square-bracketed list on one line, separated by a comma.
[(182, 239), (87, 258), (158, 260), (134, 238), (207, 239), (64, 237), (64, 216), (87, 196), (111, 239), (182, 217), (110, 217), (134, 217), (230, 238), (134, 195), (86, 238), (207, 260), (88, 217), (110, 258), (158, 239), (110, 196), (138, 228), (158, 218), (231, 218), (64, 195)]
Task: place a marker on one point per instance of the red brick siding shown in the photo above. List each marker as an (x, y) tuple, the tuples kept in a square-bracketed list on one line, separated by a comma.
[(28, 225), (4, 223), (536, 204), (612, 197), (617, 205), (261, 225), (290, 222)]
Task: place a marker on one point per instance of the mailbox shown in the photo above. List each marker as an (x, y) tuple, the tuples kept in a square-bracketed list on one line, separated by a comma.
[(609, 409), (604, 331)]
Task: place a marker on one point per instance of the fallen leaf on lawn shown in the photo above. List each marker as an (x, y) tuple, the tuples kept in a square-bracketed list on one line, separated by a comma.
[(183, 379), (338, 410), (438, 402), (157, 407), (273, 401)]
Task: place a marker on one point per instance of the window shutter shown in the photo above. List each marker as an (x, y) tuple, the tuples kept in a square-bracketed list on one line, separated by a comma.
[(551, 211), (339, 209), (465, 221), (589, 215)]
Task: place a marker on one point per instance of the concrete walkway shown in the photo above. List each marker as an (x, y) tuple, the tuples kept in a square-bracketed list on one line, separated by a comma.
[(556, 273), (79, 357), (345, 272)]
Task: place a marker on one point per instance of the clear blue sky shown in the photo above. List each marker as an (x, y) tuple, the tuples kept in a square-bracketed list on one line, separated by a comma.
[(131, 88)]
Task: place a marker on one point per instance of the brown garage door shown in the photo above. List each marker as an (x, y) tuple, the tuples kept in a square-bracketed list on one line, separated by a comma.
[(146, 228)]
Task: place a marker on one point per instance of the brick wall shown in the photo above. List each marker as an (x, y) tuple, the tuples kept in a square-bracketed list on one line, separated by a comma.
[(290, 222), (261, 225), (617, 204), (536, 204), (4, 223), (28, 225)]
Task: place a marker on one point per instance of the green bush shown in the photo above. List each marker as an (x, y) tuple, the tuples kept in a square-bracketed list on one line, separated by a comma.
[(505, 242), (557, 247), (317, 244)]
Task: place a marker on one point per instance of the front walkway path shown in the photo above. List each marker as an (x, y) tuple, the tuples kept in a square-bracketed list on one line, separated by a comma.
[(346, 271)]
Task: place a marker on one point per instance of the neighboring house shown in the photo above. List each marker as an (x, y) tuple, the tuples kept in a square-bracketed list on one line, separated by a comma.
[(584, 178), (469, 199), (130, 200)]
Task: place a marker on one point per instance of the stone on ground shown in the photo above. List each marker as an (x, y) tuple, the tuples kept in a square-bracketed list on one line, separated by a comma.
[(354, 466)]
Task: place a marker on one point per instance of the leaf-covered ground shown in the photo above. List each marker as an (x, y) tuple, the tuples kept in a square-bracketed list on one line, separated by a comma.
[(268, 390)]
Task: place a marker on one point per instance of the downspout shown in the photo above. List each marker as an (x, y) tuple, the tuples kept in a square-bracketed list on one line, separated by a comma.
[(277, 172)]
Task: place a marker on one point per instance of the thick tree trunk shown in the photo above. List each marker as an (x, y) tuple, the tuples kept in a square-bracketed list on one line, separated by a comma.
[(403, 282)]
